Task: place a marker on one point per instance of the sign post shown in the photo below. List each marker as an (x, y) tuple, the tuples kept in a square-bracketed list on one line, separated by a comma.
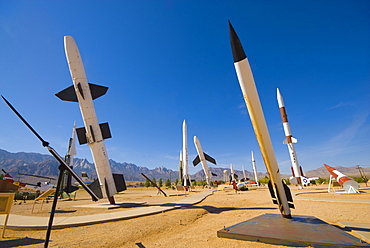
[(6, 200)]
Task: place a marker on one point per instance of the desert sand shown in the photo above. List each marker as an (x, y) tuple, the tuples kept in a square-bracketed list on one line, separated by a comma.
[(194, 226)]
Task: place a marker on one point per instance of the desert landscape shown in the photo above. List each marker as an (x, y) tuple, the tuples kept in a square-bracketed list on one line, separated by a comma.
[(192, 226)]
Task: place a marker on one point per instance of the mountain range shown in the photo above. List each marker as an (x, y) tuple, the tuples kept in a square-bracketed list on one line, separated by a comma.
[(46, 165)]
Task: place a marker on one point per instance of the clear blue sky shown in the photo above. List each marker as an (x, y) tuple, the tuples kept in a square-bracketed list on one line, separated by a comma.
[(166, 61)]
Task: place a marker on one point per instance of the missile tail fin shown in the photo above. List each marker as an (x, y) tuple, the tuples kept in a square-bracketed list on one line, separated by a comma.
[(294, 140), (95, 187), (285, 142), (97, 90), (288, 195), (209, 158), (119, 181), (272, 192), (196, 160), (81, 133)]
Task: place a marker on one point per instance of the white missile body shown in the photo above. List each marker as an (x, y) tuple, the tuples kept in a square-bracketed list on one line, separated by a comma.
[(279, 191), (185, 159), (232, 173), (348, 184), (297, 177), (85, 93), (254, 169), (244, 175), (202, 157)]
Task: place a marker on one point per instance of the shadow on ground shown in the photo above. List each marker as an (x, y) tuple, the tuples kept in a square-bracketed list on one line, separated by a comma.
[(20, 242)]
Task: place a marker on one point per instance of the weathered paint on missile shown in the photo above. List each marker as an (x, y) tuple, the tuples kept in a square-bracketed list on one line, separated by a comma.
[(254, 107), (289, 140), (92, 128)]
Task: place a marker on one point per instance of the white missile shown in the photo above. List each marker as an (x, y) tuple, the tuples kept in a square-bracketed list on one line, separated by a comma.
[(202, 157), (254, 169), (185, 159), (279, 191), (297, 177), (93, 134), (348, 184)]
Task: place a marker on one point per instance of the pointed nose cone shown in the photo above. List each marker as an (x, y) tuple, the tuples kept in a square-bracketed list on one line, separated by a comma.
[(71, 49), (280, 98), (236, 46), (184, 124), (330, 169)]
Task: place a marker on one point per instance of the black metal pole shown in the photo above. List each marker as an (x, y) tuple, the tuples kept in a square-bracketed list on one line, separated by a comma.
[(55, 201)]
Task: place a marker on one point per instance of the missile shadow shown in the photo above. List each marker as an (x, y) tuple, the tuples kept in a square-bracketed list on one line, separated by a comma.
[(20, 242)]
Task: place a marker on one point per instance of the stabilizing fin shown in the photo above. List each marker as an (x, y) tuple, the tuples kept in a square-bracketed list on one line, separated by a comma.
[(209, 158), (119, 181), (275, 199), (69, 94), (81, 133), (95, 187), (213, 174), (294, 140), (196, 160)]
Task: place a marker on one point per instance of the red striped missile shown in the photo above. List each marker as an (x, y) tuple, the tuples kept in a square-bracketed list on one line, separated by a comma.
[(93, 134), (279, 191), (348, 184), (289, 140), (203, 157)]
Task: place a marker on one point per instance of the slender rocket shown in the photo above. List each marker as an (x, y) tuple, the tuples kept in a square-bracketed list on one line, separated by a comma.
[(348, 184), (93, 134), (297, 177), (203, 157), (279, 191), (254, 169), (185, 158)]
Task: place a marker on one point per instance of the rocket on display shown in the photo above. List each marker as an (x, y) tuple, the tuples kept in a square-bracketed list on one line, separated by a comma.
[(279, 190), (297, 173), (254, 169), (203, 158), (92, 133), (185, 159), (348, 184)]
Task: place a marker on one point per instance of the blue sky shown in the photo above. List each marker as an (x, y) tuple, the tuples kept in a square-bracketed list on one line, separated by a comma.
[(166, 61)]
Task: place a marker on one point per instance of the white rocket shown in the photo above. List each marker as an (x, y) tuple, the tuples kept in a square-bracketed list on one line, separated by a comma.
[(185, 158), (202, 157), (297, 177), (348, 184), (279, 191), (254, 169), (93, 134)]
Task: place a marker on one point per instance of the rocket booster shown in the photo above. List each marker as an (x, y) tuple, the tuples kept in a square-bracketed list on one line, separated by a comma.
[(348, 184), (279, 191), (93, 134), (289, 140), (202, 157), (185, 159)]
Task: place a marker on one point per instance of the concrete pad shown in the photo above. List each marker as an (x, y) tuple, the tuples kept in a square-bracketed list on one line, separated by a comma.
[(111, 206), (298, 231), (362, 230)]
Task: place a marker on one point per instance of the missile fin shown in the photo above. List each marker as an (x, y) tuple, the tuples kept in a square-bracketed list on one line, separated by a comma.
[(294, 140), (97, 90), (285, 142), (92, 133), (288, 195), (105, 131), (272, 193), (196, 160), (209, 158), (95, 187), (213, 174), (119, 181), (81, 135), (68, 94)]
